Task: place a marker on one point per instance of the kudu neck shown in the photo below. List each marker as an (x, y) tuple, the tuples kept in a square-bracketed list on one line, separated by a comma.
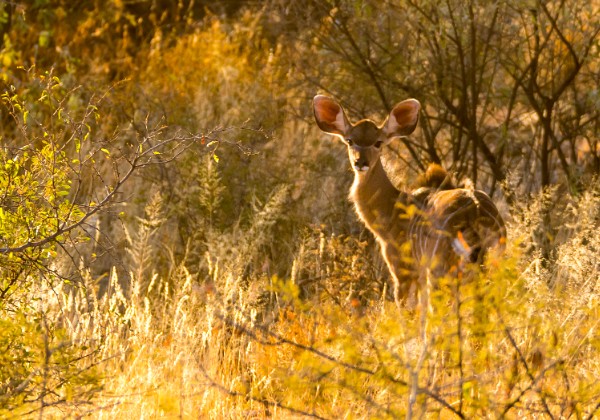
[(373, 193)]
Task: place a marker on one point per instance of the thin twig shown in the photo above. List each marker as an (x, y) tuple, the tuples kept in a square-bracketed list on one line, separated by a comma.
[(263, 401)]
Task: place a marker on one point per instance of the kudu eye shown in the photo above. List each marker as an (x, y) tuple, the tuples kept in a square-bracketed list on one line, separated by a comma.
[(349, 142)]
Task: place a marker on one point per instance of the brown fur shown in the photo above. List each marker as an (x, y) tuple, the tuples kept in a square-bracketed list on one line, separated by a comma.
[(435, 177), (450, 225)]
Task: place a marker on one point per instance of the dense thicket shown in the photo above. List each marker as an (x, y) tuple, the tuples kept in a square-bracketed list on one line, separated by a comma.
[(160, 172)]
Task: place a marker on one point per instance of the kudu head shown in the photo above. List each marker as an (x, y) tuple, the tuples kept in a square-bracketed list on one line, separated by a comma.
[(365, 139)]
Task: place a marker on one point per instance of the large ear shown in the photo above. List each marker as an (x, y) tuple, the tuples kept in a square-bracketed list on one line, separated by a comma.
[(403, 119), (330, 116)]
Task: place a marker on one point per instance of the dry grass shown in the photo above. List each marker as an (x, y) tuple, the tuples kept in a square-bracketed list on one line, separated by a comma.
[(247, 289), (228, 347)]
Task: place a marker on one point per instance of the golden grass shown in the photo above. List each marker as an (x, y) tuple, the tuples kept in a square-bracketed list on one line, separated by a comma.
[(496, 345)]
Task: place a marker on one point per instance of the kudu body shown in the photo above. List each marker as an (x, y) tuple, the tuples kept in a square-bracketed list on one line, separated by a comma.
[(434, 229)]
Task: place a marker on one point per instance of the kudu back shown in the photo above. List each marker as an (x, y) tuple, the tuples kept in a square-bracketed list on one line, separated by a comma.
[(434, 229)]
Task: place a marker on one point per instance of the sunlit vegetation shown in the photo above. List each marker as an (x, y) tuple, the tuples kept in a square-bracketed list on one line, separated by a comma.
[(176, 238)]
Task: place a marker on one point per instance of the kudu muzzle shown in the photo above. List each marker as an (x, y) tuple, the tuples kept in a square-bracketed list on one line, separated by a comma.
[(359, 157)]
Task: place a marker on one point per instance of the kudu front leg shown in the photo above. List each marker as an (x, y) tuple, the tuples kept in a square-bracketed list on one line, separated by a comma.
[(405, 284)]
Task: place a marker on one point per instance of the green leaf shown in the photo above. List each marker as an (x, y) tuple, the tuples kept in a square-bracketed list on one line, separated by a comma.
[(44, 39)]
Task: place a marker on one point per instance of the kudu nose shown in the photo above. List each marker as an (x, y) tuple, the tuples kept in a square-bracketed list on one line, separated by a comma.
[(361, 164), (360, 161)]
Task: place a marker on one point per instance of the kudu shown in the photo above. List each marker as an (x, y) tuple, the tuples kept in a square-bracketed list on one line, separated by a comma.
[(432, 230)]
